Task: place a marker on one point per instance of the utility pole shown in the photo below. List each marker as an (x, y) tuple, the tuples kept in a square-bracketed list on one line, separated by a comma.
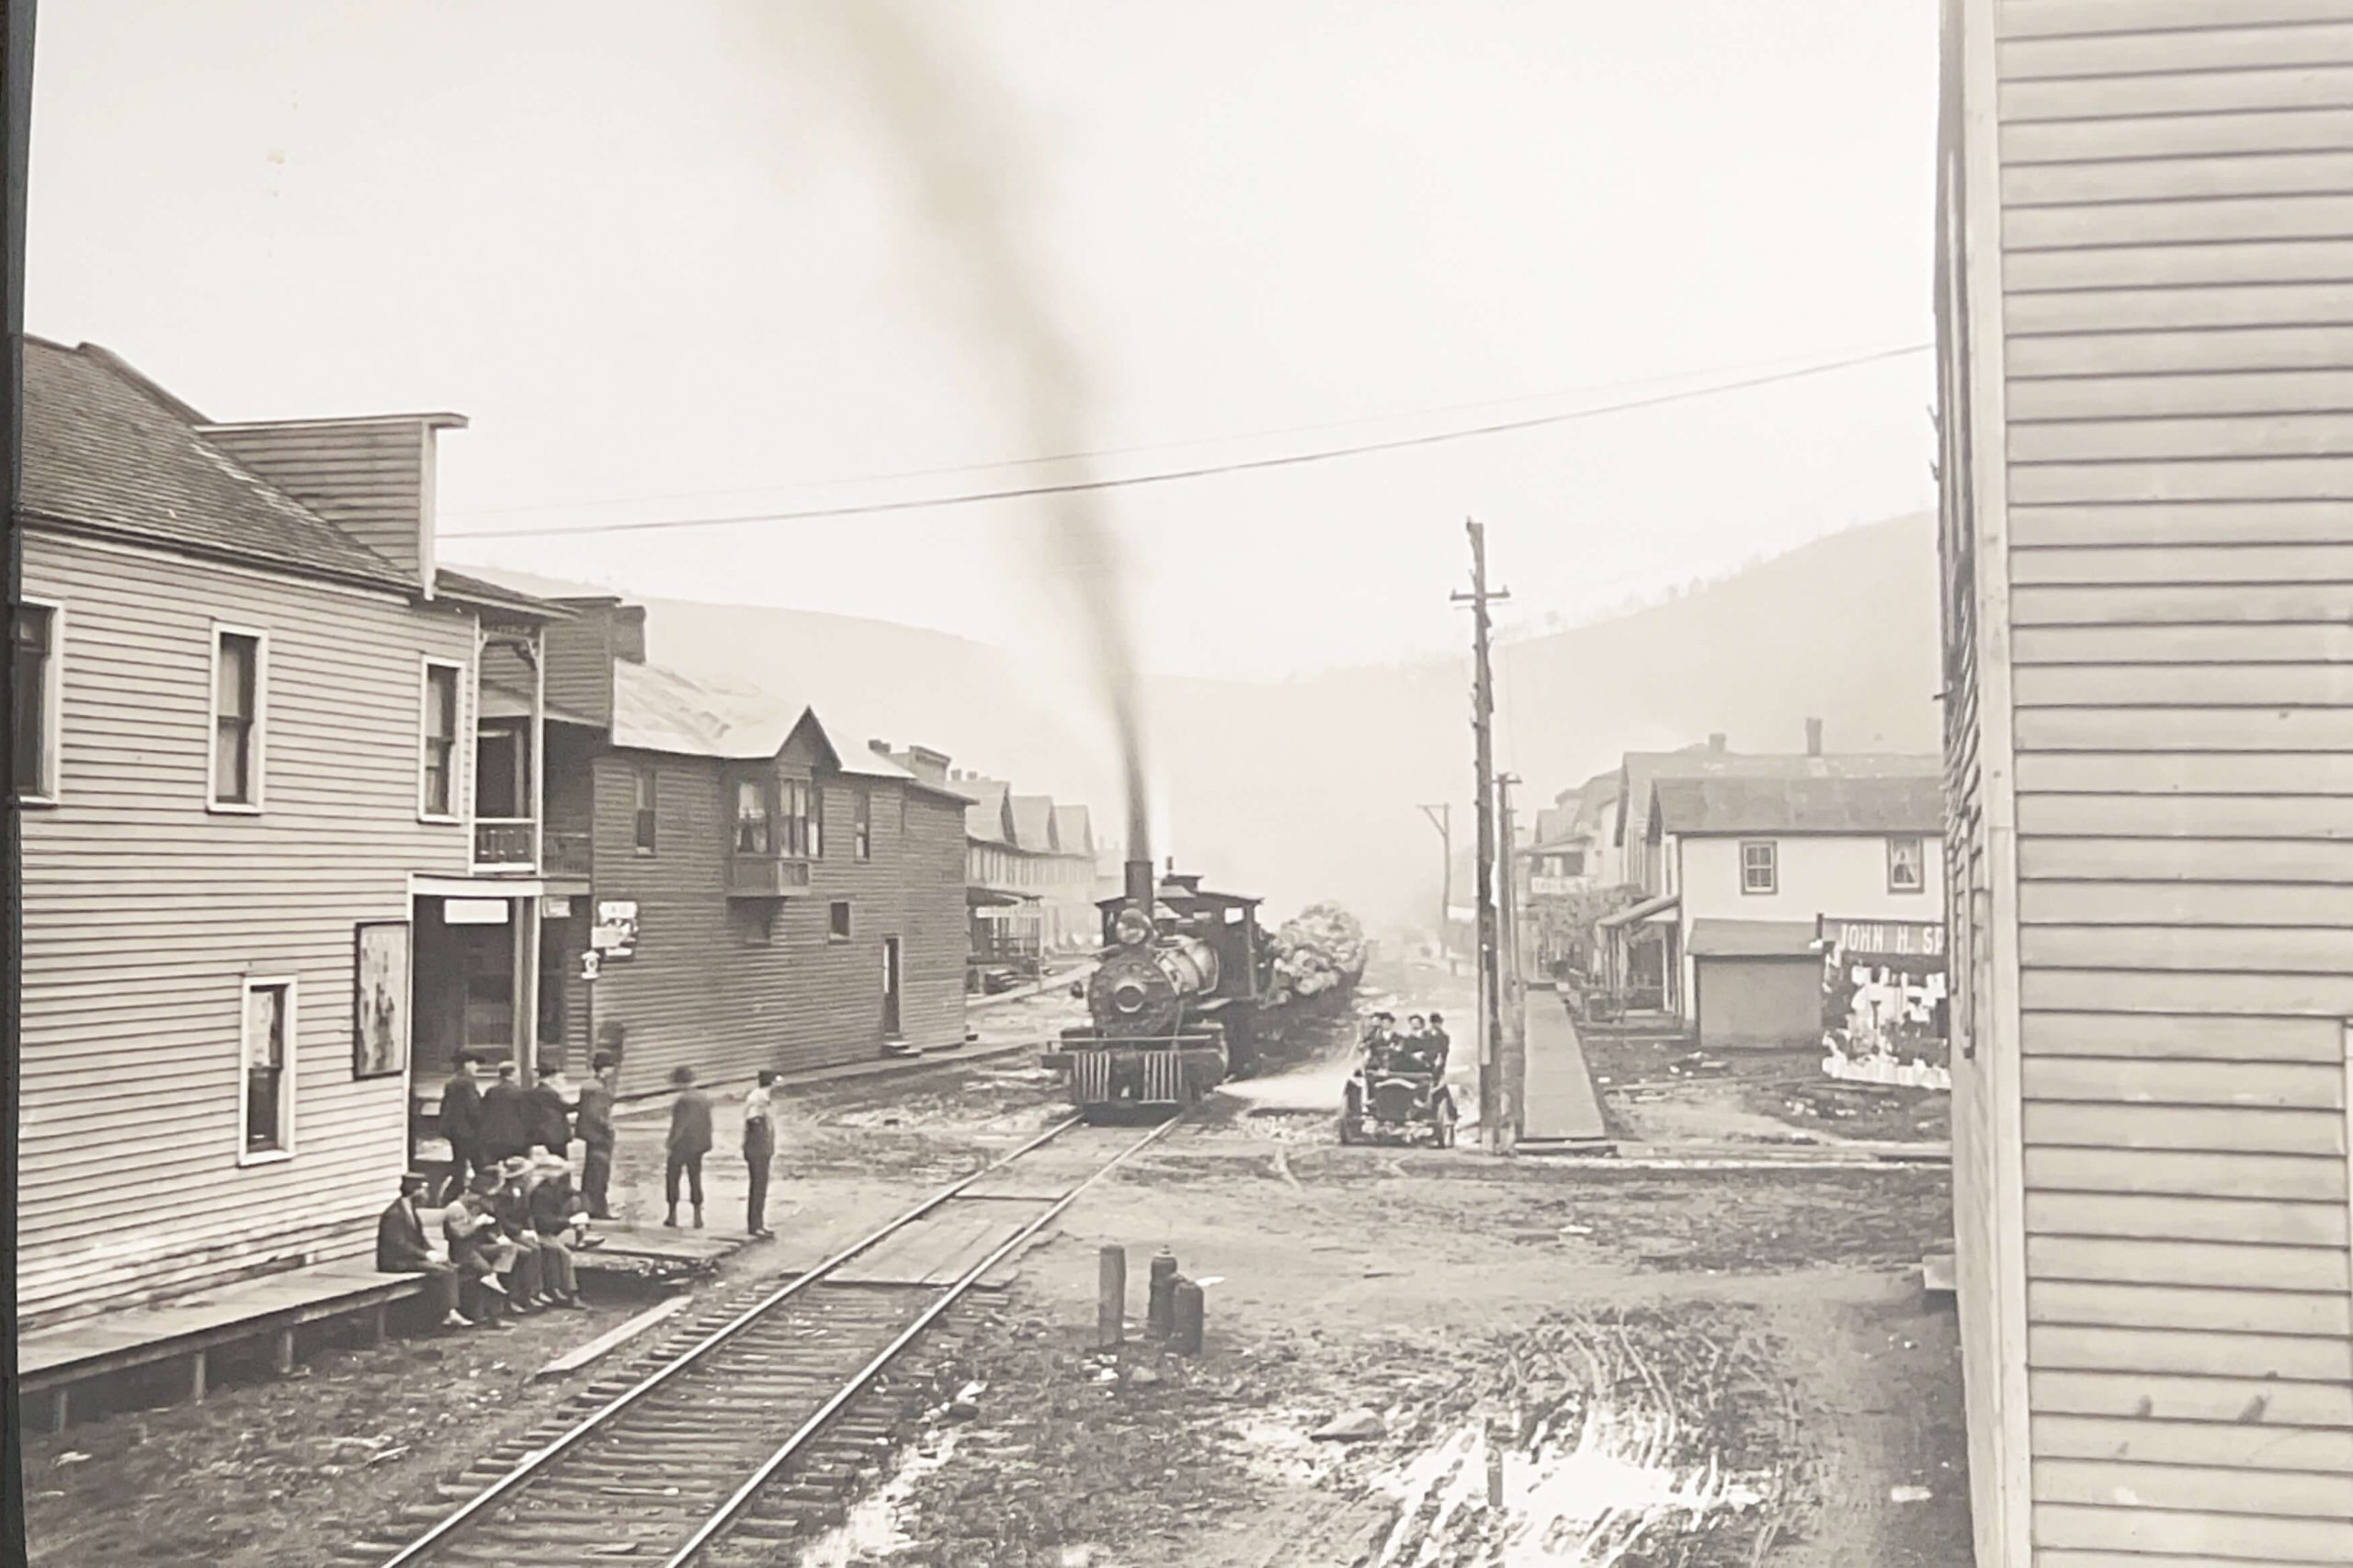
[(1442, 818), (1492, 1110), (1512, 1050)]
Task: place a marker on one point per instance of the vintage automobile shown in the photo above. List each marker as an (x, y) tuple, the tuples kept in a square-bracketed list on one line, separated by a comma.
[(1398, 1103)]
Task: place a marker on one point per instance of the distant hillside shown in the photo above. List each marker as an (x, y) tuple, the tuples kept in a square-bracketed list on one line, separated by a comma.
[(1308, 789)]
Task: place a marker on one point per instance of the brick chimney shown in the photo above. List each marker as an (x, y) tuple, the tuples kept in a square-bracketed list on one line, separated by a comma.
[(1813, 737)]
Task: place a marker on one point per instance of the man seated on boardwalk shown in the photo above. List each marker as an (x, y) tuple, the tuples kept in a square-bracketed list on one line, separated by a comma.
[(478, 1252), (401, 1248), (554, 1214), (510, 1206)]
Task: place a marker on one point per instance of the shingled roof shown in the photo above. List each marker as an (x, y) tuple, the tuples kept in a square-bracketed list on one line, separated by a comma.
[(1800, 805), (109, 451), (658, 708), (1642, 771), (985, 818), (1073, 830)]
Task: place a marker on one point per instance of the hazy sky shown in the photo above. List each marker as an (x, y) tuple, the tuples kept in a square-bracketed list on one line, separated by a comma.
[(658, 257)]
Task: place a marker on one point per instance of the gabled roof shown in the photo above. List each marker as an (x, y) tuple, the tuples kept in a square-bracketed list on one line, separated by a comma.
[(1073, 830), (985, 819), (1641, 772), (655, 709), (1033, 823), (107, 450), (476, 591), (1862, 806)]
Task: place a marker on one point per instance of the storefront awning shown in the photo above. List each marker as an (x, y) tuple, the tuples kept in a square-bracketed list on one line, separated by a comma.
[(1752, 939), (995, 898), (1649, 909)]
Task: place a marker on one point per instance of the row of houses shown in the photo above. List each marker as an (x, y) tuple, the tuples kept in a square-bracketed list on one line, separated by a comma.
[(1033, 870), (1730, 872), (304, 813)]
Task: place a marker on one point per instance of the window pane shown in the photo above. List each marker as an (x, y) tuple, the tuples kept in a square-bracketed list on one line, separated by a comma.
[(265, 1026), (261, 1109), (231, 754), (441, 703), (236, 696), (29, 699), (437, 777)]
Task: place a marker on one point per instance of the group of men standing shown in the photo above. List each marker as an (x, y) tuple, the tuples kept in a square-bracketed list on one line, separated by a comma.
[(487, 1126)]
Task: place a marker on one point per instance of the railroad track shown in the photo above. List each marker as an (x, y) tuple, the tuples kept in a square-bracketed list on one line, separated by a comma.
[(745, 1440)]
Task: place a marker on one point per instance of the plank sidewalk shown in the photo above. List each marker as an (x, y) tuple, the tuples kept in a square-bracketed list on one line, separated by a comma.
[(1561, 1107)]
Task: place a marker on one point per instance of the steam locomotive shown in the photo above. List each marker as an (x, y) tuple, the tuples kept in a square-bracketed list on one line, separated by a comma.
[(1174, 1003)]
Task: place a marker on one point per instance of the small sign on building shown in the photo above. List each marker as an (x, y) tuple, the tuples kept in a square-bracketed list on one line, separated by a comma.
[(614, 936), (474, 911)]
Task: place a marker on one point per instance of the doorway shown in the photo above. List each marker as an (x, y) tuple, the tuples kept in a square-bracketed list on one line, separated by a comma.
[(889, 988)]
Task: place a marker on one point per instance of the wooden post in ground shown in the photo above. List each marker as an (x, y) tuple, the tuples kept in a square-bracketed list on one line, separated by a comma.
[(1111, 1299), (60, 1405), (196, 1379), (285, 1359), (1191, 1316), (1160, 1308)]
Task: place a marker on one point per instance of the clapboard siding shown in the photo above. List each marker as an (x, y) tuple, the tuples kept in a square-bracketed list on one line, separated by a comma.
[(371, 478), (143, 911), (706, 989), (2176, 356)]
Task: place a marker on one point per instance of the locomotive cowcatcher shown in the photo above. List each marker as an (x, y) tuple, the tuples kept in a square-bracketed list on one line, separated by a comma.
[(1172, 1004)]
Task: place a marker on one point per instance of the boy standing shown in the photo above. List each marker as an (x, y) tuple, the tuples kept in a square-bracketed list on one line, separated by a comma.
[(689, 1141), (759, 1150)]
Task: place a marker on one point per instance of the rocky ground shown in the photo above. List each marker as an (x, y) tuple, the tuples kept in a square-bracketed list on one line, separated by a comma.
[(1655, 1091), (1649, 1367)]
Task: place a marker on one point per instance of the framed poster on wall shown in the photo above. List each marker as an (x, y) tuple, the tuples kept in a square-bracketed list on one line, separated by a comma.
[(380, 1023)]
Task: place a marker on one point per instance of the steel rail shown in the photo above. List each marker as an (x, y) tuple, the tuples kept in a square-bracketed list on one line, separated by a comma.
[(733, 1507), (440, 1534)]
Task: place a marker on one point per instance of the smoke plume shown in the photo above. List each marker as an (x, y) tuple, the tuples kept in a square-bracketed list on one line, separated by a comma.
[(957, 161)]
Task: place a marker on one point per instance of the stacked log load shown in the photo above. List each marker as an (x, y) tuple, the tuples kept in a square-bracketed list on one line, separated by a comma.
[(1317, 959)]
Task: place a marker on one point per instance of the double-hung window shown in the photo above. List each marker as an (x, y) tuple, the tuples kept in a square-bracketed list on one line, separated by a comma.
[(645, 801), (239, 690), (33, 701), (752, 824), (1907, 865), (1760, 867), (800, 818), (861, 827), (437, 781), (268, 1090)]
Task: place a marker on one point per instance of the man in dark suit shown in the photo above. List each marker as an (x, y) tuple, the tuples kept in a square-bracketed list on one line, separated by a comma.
[(461, 1124), (551, 1117), (505, 1120), (596, 1132), (401, 1248)]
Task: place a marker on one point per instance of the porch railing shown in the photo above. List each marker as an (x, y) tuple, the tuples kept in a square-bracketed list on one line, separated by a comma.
[(506, 843)]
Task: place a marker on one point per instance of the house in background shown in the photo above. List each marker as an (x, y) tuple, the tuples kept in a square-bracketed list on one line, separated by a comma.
[(1030, 892), (249, 736), (1643, 958), (1753, 866), (736, 887), (2147, 565)]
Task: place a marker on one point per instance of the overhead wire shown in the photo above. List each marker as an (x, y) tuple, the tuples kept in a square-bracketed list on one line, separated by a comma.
[(1206, 471)]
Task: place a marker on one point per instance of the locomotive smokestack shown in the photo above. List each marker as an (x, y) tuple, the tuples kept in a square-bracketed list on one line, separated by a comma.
[(1140, 882)]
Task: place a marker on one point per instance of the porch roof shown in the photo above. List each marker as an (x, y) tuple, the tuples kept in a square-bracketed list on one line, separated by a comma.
[(1650, 908), (1752, 938)]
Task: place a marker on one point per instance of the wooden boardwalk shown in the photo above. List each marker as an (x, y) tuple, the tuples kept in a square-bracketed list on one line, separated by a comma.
[(1561, 1107)]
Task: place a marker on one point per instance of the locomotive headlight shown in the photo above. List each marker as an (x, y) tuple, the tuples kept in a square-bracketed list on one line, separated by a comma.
[(1133, 928), (1128, 996)]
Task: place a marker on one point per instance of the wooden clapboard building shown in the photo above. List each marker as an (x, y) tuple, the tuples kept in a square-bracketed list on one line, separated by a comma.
[(2146, 358), (245, 718), (756, 890)]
